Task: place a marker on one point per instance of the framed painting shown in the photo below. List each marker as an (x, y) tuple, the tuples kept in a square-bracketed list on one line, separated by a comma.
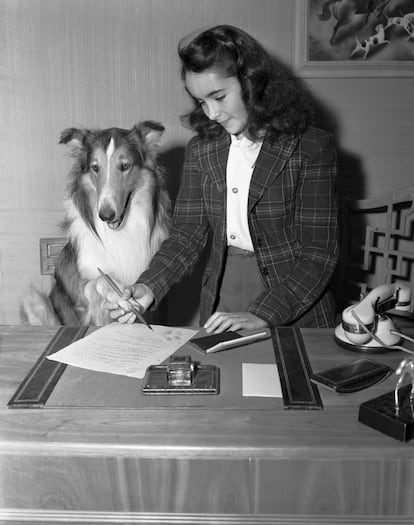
[(349, 38)]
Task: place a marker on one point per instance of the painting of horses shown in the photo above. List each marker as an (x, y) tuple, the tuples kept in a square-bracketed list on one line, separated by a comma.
[(368, 31)]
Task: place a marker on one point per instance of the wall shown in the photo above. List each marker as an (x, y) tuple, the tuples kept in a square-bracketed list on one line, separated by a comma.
[(109, 63)]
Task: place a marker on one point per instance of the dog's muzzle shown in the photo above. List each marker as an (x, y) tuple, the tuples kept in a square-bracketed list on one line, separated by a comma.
[(108, 215)]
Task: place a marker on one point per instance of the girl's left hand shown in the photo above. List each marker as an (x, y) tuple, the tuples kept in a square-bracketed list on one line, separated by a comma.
[(220, 322)]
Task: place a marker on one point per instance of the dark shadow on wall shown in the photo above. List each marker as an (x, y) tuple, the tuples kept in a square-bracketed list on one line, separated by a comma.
[(350, 176), (350, 185), (173, 160)]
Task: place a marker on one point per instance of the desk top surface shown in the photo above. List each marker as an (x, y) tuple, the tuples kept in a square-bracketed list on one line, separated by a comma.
[(331, 433)]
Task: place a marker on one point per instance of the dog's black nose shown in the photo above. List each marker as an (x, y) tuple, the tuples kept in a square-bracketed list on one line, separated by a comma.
[(107, 214)]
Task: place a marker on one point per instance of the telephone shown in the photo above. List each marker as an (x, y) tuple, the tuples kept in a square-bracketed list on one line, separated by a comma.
[(365, 327)]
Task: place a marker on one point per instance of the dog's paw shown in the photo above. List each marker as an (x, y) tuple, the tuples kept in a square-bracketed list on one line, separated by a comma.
[(96, 313)]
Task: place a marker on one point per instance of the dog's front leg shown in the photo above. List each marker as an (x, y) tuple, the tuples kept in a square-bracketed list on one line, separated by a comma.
[(96, 314)]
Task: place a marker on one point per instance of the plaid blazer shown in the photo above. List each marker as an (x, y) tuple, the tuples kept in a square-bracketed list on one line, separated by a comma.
[(292, 219)]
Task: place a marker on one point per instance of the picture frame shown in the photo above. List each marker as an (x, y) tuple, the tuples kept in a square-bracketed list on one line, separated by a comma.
[(333, 42)]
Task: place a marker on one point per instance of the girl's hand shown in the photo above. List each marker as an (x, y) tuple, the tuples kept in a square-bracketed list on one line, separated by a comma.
[(119, 307), (220, 322)]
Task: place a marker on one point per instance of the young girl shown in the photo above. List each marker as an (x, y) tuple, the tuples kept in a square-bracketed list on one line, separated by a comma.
[(259, 184)]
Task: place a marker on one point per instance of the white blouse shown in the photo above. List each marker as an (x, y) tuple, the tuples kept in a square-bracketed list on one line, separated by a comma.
[(243, 154)]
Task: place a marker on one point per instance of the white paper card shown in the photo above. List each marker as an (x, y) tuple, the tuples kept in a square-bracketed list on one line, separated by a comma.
[(124, 349), (260, 380)]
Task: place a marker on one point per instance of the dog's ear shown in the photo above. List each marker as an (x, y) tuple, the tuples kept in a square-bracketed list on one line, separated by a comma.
[(74, 138), (151, 132)]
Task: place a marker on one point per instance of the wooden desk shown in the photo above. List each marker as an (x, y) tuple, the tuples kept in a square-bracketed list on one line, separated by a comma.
[(230, 466)]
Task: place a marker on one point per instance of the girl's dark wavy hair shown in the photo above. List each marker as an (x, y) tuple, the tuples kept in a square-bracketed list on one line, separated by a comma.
[(276, 102)]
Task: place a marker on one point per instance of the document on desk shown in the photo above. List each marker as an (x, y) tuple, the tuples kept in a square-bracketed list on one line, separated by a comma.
[(260, 380), (124, 349)]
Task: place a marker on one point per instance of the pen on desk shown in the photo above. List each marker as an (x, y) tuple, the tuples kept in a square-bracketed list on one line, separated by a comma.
[(237, 342), (120, 292)]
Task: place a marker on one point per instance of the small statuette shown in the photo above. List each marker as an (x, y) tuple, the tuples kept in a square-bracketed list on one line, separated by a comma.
[(406, 368)]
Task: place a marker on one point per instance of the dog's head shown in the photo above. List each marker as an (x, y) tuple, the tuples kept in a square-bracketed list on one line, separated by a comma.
[(111, 164)]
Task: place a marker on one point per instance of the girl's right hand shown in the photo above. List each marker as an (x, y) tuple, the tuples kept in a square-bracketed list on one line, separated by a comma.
[(120, 308)]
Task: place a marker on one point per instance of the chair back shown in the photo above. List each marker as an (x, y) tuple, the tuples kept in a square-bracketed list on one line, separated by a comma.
[(377, 245)]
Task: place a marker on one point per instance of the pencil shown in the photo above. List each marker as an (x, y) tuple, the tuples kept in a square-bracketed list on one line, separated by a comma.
[(120, 292)]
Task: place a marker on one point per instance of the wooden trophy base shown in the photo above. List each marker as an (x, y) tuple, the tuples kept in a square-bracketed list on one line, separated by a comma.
[(379, 413)]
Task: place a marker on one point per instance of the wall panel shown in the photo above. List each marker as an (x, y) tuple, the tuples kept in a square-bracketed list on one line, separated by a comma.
[(101, 63)]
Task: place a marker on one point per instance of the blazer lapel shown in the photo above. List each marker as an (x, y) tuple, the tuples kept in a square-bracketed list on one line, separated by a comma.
[(215, 164), (217, 161), (270, 162)]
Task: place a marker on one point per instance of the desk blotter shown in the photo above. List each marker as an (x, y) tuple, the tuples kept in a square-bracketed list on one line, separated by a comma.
[(51, 384)]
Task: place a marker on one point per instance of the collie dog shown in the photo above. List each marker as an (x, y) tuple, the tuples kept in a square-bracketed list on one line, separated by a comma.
[(117, 215)]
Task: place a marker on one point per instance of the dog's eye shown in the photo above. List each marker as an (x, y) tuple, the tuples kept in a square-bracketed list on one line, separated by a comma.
[(95, 168), (125, 166)]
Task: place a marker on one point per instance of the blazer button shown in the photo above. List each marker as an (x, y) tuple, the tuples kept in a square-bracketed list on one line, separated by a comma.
[(265, 271), (259, 242)]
